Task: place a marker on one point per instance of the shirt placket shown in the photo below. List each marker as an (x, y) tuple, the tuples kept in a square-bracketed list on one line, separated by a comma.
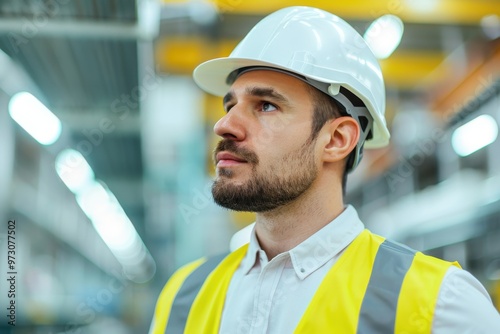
[(268, 281)]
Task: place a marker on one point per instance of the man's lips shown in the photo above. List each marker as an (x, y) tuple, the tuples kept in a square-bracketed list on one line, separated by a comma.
[(225, 159)]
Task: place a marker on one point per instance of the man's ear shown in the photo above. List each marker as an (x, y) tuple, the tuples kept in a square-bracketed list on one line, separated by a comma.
[(344, 134)]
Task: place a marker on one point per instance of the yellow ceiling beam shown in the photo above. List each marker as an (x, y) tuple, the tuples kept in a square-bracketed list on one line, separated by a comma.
[(418, 11), (180, 55), (406, 70), (403, 70)]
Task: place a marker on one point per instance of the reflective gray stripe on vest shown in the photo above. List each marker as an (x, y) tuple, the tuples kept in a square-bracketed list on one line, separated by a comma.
[(378, 309), (187, 293)]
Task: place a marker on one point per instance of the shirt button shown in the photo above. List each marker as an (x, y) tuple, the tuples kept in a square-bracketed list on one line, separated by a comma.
[(302, 270)]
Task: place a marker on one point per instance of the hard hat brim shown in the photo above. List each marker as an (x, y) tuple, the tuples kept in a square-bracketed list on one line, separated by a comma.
[(211, 76)]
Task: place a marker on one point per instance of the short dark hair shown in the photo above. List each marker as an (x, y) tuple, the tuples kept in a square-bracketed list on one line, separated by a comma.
[(325, 109)]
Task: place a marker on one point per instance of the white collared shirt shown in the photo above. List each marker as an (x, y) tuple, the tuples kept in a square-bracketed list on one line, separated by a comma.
[(271, 296)]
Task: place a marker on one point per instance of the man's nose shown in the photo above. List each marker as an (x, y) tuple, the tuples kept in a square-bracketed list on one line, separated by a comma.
[(231, 125)]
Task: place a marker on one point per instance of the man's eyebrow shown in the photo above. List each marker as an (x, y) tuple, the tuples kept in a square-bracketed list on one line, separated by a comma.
[(267, 92)]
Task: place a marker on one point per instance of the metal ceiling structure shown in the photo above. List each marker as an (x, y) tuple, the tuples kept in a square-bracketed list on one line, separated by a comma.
[(83, 57)]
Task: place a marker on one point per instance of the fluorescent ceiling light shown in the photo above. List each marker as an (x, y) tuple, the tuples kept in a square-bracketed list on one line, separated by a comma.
[(423, 6), (491, 26), (108, 217), (202, 12), (384, 35), (93, 200), (116, 230), (112, 224), (35, 118), (74, 170), (474, 135)]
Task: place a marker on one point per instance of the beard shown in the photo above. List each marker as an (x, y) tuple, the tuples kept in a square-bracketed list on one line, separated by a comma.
[(283, 182)]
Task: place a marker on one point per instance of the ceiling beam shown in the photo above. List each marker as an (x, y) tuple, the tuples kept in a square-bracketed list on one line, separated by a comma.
[(103, 119), (467, 12), (25, 29), (403, 70), (43, 24), (146, 27)]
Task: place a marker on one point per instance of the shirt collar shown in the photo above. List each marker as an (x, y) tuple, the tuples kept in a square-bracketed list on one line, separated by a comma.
[(252, 253), (316, 250)]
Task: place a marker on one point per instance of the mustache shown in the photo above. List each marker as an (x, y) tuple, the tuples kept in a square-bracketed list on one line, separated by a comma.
[(231, 147)]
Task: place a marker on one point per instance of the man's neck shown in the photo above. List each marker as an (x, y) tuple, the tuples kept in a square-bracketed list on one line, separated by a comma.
[(284, 228)]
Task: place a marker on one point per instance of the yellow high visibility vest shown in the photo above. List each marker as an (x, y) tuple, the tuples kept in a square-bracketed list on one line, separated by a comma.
[(385, 288)]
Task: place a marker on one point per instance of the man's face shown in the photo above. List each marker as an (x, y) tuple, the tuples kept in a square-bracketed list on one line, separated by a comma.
[(266, 158)]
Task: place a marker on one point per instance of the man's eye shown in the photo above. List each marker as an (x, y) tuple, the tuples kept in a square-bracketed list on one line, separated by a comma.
[(266, 106)]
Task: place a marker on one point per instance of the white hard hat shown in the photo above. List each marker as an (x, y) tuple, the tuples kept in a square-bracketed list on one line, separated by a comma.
[(318, 47)]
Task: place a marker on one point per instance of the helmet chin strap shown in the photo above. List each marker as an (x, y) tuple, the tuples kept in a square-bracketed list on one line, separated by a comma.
[(336, 92)]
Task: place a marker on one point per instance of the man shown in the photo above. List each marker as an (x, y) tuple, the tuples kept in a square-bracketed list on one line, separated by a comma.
[(303, 94)]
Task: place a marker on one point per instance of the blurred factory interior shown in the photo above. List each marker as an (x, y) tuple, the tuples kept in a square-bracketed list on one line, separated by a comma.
[(117, 196)]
